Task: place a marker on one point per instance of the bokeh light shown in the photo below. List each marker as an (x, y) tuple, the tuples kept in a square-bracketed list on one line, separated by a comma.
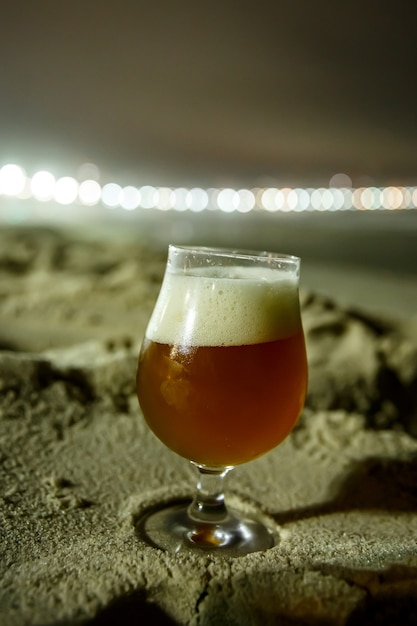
[(196, 199), (268, 197), (179, 199), (42, 186), (246, 200), (88, 171), (86, 190), (89, 192), (111, 195), (164, 199), (65, 190), (392, 198), (340, 180), (129, 198), (228, 200), (12, 179), (148, 197)]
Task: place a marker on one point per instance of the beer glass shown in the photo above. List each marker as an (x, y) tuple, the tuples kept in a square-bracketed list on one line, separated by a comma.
[(221, 380)]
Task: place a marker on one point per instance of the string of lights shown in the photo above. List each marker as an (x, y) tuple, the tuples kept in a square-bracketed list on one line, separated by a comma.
[(43, 186)]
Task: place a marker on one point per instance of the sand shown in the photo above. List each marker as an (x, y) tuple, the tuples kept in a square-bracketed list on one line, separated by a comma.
[(78, 464)]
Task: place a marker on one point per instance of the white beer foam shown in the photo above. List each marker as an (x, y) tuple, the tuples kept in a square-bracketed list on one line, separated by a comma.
[(235, 306)]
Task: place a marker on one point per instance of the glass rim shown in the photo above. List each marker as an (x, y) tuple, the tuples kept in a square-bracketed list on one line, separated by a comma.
[(239, 253)]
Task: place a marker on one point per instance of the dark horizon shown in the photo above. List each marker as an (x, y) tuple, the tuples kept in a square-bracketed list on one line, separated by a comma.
[(218, 94)]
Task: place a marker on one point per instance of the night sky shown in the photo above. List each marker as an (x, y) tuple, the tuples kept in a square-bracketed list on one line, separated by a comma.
[(212, 93)]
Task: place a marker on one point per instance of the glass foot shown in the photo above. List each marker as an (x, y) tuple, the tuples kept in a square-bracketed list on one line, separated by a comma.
[(172, 529)]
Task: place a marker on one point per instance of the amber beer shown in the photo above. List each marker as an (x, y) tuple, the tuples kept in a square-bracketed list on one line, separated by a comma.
[(222, 374)]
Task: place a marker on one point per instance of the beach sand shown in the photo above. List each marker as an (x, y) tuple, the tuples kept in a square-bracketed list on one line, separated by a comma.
[(79, 466)]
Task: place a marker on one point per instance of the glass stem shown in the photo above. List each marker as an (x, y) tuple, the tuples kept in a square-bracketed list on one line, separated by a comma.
[(208, 505)]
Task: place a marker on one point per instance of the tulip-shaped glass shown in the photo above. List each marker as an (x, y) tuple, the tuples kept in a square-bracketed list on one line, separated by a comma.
[(221, 380)]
